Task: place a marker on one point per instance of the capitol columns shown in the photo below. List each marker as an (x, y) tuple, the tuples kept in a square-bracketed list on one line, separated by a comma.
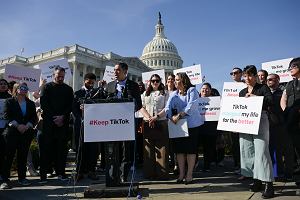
[(84, 69), (101, 73), (130, 76), (75, 75), (93, 69)]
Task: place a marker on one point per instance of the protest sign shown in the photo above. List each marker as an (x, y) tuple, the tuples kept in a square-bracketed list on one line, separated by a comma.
[(194, 73), (147, 75), (279, 67), (240, 114), (180, 129), (28, 75), (232, 89), (116, 122), (209, 108), (109, 74), (47, 69)]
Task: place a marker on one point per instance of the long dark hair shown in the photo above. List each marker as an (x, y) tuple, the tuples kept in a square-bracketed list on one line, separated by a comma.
[(160, 87), (166, 86), (185, 81)]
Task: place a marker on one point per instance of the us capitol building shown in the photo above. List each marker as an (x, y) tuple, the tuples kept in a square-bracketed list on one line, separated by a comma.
[(159, 53)]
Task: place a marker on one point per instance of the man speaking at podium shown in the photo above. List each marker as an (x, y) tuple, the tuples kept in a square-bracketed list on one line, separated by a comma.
[(122, 87)]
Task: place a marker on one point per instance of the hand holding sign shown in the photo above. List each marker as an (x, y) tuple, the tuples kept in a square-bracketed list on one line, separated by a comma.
[(240, 114)]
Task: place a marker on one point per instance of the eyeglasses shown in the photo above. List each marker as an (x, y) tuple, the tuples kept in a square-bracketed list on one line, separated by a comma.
[(3, 83), (155, 81), (292, 67), (234, 73)]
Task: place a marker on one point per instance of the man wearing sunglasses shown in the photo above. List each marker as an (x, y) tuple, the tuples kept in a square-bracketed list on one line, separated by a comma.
[(236, 74), (290, 104)]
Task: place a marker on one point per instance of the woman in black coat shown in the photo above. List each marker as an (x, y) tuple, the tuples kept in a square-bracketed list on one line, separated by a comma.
[(21, 115)]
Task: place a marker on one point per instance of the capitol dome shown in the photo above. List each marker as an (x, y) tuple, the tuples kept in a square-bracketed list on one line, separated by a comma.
[(161, 53)]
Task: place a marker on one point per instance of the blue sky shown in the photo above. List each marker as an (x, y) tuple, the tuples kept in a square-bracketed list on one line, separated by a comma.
[(218, 34)]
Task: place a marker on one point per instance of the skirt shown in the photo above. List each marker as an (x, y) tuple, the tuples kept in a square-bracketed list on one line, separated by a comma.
[(187, 145)]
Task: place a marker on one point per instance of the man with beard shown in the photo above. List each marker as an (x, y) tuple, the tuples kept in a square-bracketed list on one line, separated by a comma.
[(56, 103)]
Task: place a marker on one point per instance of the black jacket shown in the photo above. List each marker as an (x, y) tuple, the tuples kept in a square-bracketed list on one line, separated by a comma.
[(131, 90), (56, 99), (81, 95), (13, 112)]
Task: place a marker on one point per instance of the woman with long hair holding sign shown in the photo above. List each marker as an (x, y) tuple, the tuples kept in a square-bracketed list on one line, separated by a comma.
[(183, 104), (255, 157), (156, 140)]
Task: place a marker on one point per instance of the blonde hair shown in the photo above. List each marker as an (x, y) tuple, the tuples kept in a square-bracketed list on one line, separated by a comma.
[(16, 86)]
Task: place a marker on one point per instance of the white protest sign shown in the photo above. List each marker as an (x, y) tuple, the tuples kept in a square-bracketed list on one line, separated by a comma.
[(109, 74), (147, 75), (2, 121), (28, 75), (194, 73), (209, 108), (180, 129), (240, 114), (48, 69), (232, 89), (116, 122), (279, 67)]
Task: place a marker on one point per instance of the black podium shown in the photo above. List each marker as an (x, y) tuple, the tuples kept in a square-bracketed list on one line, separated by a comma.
[(114, 187)]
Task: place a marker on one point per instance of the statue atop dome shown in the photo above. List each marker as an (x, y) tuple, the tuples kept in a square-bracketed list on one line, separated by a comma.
[(159, 18)]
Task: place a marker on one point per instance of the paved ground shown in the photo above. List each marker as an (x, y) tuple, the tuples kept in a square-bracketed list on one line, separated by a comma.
[(220, 183)]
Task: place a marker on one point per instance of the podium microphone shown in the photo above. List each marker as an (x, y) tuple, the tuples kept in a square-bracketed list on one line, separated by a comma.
[(129, 92), (100, 89)]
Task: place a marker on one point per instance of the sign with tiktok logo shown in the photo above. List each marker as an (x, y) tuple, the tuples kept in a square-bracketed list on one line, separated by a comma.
[(109, 122), (240, 114)]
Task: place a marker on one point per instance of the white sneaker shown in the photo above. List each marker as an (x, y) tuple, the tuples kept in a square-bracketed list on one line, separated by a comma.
[(5, 186), (33, 172)]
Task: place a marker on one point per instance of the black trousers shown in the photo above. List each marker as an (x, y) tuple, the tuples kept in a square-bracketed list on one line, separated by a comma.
[(118, 156), (15, 141), (281, 144), (126, 152), (2, 150), (235, 148), (87, 153), (87, 156), (208, 142), (53, 142)]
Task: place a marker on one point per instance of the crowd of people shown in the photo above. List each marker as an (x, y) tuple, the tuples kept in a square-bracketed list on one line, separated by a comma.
[(263, 157)]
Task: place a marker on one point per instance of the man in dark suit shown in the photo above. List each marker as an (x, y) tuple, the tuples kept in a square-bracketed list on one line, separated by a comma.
[(87, 152), (122, 87)]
